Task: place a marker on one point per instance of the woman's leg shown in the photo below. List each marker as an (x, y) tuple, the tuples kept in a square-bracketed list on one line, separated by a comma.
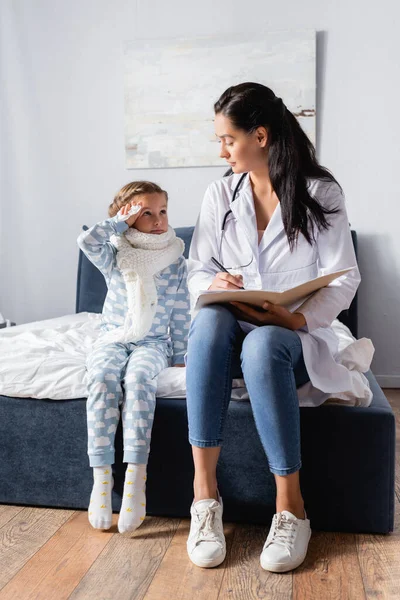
[(205, 477), (273, 367), (212, 336)]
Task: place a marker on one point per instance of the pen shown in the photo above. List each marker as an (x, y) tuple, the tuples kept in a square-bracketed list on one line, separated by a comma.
[(221, 267)]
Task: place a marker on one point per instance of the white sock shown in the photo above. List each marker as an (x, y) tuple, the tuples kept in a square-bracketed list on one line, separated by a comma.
[(100, 509), (133, 508)]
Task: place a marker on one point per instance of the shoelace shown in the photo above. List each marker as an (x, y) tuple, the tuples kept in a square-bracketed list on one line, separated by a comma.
[(205, 532), (282, 532)]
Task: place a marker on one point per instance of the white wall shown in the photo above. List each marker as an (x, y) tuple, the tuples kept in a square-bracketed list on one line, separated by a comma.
[(62, 142)]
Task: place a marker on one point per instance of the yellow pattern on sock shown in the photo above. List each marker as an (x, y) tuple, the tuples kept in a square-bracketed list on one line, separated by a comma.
[(133, 507), (100, 506)]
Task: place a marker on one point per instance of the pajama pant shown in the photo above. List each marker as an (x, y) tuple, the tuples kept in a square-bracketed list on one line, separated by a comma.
[(122, 374)]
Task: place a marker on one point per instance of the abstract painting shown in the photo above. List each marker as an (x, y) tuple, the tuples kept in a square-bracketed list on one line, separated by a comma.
[(171, 86)]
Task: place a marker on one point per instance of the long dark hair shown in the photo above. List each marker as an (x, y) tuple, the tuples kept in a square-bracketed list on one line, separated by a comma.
[(291, 155)]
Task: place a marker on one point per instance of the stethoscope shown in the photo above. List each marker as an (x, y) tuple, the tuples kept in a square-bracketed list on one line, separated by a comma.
[(235, 192), (228, 212)]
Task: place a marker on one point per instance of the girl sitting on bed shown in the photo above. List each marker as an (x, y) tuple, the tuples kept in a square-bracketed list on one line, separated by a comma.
[(144, 328)]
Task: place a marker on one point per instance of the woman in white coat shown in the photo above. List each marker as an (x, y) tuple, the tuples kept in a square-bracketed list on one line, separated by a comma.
[(286, 225)]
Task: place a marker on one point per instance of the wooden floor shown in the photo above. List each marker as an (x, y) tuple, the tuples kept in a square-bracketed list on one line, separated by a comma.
[(53, 554)]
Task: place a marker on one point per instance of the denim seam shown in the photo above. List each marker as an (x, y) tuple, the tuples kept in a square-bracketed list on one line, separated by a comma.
[(226, 400), (295, 346), (284, 468), (205, 443), (292, 469), (299, 464)]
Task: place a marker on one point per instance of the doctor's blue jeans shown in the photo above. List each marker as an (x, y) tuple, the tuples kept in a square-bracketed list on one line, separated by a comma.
[(270, 359)]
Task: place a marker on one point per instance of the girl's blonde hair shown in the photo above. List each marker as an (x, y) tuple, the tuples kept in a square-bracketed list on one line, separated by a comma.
[(129, 191)]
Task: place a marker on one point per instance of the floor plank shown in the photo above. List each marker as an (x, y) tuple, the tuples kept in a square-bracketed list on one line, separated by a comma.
[(379, 557), (23, 535), (181, 577), (58, 567), (331, 569), (8, 512), (244, 578), (127, 565)]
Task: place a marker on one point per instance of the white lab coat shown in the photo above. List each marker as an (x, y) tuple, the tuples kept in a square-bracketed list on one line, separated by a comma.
[(270, 265)]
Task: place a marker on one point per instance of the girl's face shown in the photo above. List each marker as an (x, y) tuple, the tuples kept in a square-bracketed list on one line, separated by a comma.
[(243, 151), (153, 217)]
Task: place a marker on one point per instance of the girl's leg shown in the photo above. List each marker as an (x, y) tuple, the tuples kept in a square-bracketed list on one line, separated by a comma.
[(140, 383), (104, 367), (273, 367), (213, 334)]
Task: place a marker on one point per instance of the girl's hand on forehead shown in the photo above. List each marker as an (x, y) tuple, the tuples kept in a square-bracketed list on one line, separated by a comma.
[(129, 209)]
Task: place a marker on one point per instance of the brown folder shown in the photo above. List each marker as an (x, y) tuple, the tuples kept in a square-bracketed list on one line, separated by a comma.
[(258, 297)]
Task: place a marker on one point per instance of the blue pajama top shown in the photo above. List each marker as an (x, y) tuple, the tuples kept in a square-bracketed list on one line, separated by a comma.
[(172, 320)]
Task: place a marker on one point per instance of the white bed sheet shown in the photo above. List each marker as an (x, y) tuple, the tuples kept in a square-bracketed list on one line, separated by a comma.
[(46, 360)]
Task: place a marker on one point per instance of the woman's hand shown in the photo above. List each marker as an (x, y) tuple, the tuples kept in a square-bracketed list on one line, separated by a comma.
[(125, 210), (273, 314), (226, 281)]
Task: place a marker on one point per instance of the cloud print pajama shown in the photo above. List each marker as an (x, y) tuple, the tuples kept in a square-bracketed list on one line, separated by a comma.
[(125, 374)]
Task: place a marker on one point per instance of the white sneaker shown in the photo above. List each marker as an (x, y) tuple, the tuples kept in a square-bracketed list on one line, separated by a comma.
[(287, 542), (206, 542)]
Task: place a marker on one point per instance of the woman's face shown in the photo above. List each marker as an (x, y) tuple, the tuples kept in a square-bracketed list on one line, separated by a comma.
[(243, 151)]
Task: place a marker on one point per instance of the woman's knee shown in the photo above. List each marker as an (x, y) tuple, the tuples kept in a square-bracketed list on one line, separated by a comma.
[(269, 343), (213, 324)]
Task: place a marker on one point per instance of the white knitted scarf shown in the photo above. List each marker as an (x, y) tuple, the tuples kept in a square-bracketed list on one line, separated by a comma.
[(139, 257)]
